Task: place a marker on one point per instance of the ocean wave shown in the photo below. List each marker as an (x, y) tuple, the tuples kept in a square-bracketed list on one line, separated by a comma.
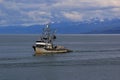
[(89, 62)]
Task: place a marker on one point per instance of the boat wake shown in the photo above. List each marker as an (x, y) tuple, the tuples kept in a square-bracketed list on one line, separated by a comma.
[(82, 51)]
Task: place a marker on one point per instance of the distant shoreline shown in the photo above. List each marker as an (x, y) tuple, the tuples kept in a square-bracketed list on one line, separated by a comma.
[(61, 34)]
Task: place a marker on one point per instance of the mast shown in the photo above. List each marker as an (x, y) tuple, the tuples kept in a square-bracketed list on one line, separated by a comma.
[(48, 35)]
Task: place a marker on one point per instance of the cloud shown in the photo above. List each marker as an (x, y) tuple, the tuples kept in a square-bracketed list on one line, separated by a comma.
[(39, 16), (43, 11), (89, 10), (74, 16), (1, 1)]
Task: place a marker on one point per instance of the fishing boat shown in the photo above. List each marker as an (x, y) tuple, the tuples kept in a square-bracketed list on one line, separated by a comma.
[(45, 44)]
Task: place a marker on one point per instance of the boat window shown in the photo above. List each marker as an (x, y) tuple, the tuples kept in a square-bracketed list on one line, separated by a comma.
[(40, 46)]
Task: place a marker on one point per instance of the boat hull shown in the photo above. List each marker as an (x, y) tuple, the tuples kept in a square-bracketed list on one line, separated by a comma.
[(39, 51)]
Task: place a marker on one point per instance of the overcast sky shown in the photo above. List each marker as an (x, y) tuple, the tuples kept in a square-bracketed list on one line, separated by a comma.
[(29, 12)]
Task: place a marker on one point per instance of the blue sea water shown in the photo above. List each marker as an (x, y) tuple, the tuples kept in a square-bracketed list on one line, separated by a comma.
[(94, 57)]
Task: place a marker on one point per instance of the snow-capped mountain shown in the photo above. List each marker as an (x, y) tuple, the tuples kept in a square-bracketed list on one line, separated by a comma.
[(86, 27)]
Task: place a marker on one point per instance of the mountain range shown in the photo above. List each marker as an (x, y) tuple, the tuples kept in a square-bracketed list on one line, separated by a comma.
[(86, 27)]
